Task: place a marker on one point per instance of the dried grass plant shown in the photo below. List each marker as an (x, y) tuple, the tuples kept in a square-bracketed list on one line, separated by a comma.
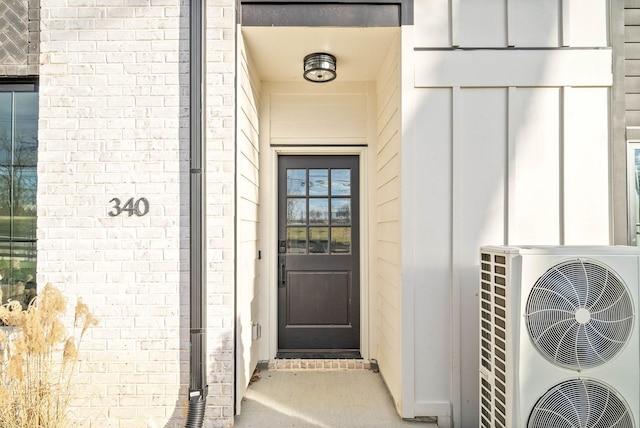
[(37, 360)]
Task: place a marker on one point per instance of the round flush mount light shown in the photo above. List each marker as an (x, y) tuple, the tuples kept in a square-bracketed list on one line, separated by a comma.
[(319, 67)]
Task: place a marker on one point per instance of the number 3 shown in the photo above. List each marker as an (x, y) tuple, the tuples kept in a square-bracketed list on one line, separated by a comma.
[(130, 207)]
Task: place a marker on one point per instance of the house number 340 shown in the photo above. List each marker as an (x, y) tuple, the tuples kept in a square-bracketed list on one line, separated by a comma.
[(138, 207)]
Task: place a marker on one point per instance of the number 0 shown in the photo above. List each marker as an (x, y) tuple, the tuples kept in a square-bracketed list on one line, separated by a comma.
[(145, 203)]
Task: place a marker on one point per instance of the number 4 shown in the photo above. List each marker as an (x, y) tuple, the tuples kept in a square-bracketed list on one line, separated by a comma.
[(128, 207)]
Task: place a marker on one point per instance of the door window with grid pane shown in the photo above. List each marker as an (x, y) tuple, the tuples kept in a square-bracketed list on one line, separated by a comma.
[(18, 181), (319, 211)]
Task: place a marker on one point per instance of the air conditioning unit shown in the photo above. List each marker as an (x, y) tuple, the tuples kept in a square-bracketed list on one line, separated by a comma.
[(559, 340)]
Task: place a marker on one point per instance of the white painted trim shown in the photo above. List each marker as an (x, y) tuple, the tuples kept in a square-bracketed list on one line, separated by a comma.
[(504, 68), (512, 119), (565, 31), (365, 330), (362, 153), (407, 217), (564, 137), (632, 134), (454, 7), (271, 249), (319, 141), (512, 30), (456, 393)]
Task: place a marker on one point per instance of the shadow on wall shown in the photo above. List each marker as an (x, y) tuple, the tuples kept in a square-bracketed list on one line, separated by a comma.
[(219, 337), (219, 412), (179, 416), (475, 143)]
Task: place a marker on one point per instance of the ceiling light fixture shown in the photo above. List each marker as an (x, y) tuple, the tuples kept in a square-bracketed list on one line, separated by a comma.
[(319, 67)]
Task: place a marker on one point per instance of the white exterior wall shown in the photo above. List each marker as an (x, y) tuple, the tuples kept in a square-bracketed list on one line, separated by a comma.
[(220, 176), (114, 124), (294, 120), (248, 223), (507, 146), (388, 222)]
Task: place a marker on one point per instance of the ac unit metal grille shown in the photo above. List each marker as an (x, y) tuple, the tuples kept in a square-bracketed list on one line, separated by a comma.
[(580, 403), (579, 314), (493, 341)]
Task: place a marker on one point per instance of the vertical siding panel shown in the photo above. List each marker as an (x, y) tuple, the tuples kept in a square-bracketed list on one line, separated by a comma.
[(512, 33), (566, 22), (434, 17), (534, 24), (481, 23), (587, 23), (479, 175), (534, 166), (430, 171), (586, 166)]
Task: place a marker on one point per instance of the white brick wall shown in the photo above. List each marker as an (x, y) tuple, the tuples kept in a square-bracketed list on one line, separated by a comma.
[(114, 123)]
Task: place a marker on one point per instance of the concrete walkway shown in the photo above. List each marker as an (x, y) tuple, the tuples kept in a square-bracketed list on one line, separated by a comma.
[(320, 399)]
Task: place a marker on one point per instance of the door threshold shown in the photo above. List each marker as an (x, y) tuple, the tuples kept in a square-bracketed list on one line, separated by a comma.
[(318, 364), (324, 354)]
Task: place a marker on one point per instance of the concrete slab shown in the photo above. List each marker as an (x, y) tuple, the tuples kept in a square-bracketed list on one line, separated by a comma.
[(320, 399)]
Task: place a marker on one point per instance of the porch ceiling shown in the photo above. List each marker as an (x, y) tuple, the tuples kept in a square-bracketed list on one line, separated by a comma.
[(276, 53)]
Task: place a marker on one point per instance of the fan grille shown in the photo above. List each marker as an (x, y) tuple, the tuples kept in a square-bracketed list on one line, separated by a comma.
[(580, 403), (579, 314)]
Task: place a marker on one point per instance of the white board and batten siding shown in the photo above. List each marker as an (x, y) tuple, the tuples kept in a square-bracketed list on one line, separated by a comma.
[(510, 23), (247, 223), (507, 146)]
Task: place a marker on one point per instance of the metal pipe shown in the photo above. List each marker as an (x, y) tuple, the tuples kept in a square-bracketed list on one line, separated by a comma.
[(197, 284)]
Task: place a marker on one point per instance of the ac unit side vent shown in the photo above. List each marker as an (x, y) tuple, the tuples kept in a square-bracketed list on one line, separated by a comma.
[(493, 331)]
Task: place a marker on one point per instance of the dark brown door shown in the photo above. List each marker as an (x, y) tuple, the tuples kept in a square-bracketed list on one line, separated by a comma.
[(318, 257)]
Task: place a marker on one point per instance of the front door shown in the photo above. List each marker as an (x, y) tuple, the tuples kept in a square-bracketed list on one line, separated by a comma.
[(318, 257)]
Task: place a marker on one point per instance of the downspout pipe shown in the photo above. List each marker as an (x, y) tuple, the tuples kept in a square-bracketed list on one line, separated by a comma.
[(198, 387)]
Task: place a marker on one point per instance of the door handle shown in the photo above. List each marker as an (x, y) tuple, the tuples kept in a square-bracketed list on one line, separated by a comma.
[(283, 273)]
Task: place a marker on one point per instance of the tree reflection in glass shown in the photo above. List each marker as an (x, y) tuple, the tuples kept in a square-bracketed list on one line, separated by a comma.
[(319, 211), (18, 185), (296, 211), (341, 211)]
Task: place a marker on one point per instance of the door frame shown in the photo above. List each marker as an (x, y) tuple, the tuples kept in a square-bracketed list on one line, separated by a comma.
[(271, 248)]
